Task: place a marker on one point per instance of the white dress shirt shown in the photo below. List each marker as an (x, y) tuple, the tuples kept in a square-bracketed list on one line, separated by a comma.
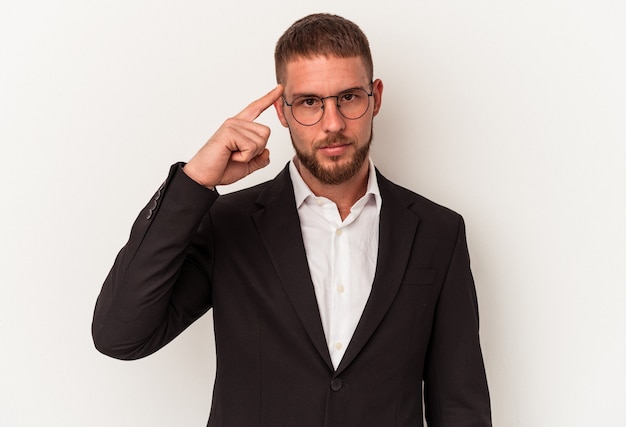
[(342, 256)]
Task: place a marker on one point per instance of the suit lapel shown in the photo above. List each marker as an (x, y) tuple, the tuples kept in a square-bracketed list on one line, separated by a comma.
[(279, 226), (397, 227)]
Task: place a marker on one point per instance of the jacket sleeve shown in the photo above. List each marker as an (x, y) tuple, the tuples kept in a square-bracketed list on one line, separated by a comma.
[(455, 384), (159, 283)]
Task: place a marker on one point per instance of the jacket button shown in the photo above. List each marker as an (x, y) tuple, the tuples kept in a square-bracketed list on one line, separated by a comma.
[(336, 384)]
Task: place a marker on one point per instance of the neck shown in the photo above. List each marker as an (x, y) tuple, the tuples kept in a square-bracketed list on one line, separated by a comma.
[(344, 195)]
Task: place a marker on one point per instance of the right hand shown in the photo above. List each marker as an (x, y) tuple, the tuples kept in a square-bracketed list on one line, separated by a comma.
[(236, 149)]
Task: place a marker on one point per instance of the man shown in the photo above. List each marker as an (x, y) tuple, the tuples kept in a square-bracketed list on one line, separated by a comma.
[(337, 296)]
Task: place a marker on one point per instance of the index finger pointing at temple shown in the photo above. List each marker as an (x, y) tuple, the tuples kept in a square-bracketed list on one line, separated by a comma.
[(254, 110)]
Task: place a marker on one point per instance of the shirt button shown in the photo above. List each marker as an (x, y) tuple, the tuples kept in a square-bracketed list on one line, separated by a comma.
[(338, 346), (336, 384), (338, 232), (341, 289)]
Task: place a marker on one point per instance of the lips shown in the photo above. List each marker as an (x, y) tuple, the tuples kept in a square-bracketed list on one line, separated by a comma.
[(334, 145), (334, 150)]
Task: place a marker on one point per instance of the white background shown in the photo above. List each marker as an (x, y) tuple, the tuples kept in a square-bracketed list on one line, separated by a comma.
[(511, 112)]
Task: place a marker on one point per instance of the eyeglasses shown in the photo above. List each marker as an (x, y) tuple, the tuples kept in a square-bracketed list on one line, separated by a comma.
[(309, 110)]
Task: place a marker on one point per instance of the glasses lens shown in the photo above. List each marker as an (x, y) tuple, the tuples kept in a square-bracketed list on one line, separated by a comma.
[(352, 104), (307, 110)]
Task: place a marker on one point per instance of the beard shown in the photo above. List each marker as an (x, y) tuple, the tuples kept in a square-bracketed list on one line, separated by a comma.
[(336, 173)]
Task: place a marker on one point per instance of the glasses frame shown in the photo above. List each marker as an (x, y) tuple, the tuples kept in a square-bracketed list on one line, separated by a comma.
[(370, 94)]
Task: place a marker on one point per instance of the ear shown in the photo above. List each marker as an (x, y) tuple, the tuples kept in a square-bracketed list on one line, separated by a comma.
[(279, 105), (377, 90)]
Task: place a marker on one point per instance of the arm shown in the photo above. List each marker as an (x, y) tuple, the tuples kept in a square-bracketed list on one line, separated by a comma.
[(160, 281), (455, 384)]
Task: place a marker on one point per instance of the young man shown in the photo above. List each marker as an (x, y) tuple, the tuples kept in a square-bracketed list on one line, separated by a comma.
[(337, 295)]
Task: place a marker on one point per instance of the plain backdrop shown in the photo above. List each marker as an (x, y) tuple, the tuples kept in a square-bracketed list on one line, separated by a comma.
[(511, 112)]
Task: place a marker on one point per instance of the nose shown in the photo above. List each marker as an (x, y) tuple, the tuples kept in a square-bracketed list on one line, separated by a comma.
[(332, 120)]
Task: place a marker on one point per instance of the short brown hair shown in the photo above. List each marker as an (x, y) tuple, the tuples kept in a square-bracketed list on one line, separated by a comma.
[(322, 34)]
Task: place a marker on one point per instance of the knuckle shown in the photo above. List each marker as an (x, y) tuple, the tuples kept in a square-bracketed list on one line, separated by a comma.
[(264, 131), (230, 122)]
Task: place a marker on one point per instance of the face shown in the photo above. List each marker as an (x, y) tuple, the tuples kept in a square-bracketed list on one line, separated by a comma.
[(335, 149)]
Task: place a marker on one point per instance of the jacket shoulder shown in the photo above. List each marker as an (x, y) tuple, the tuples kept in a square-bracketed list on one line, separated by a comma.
[(420, 205)]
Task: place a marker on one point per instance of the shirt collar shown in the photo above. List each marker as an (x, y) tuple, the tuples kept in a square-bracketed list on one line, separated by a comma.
[(302, 191)]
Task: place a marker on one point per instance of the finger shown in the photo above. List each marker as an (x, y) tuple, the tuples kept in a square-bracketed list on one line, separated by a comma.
[(250, 129), (259, 161), (246, 140), (247, 151), (254, 110)]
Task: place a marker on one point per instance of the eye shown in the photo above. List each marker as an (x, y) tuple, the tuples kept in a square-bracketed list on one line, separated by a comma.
[(348, 97), (308, 102)]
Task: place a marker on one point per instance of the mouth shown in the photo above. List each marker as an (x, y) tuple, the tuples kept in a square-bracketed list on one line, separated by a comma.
[(334, 147), (334, 150)]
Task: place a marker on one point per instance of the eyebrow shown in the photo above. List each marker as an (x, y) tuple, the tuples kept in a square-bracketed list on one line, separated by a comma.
[(297, 95)]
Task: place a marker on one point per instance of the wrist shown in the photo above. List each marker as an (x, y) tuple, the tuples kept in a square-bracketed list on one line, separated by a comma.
[(191, 173)]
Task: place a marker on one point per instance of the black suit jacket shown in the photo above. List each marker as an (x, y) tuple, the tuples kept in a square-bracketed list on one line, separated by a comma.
[(242, 254)]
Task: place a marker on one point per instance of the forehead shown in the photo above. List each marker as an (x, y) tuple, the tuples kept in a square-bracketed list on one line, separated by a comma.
[(324, 75)]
